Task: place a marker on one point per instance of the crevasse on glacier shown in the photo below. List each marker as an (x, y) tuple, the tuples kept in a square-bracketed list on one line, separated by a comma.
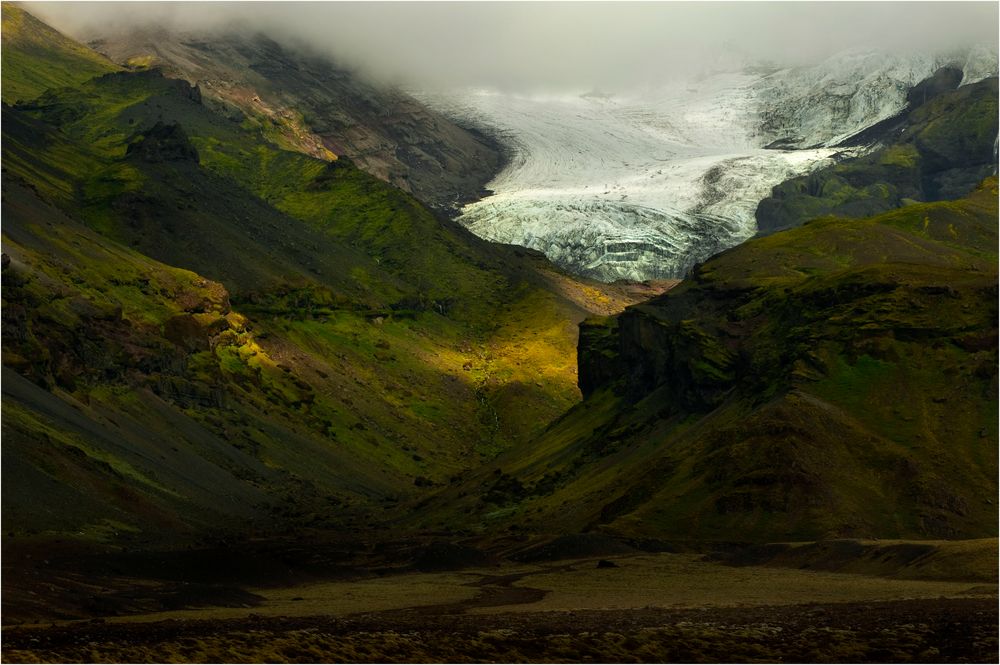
[(644, 185)]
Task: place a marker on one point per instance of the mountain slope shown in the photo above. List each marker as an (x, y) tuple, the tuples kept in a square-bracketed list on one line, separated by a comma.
[(206, 334), (833, 380), (27, 41), (304, 102)]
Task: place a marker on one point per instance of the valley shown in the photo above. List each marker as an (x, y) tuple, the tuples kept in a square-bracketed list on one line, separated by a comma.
[(302, 366)]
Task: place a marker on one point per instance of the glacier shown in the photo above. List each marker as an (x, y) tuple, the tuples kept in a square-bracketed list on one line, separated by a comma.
[(645, 184)]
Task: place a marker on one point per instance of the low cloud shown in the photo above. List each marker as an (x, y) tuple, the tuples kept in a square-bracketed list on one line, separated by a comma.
[(558, 45)]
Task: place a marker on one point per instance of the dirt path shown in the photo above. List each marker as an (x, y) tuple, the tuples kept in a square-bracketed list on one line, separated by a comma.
[(494, 591)]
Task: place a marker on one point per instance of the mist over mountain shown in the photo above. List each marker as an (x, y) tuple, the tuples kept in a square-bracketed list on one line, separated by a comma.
[(522, 332), (607, 45)]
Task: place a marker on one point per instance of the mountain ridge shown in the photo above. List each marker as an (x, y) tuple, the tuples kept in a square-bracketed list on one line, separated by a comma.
[(939, 148), (305, 102)]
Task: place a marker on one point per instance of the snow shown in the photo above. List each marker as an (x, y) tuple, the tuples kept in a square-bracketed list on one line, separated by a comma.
[(644, 185)]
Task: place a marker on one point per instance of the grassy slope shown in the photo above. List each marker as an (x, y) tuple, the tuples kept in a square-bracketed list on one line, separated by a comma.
[(834, 380), (359, 349), (29, 43)]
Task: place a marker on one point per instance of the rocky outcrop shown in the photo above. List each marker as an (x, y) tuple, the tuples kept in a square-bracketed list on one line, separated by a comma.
[(597, 355), (942, 81), (691, 363), (163, 143)]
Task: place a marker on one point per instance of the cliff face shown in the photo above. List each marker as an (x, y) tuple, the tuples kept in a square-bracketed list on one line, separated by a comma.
[(833, 380), (304, 102)]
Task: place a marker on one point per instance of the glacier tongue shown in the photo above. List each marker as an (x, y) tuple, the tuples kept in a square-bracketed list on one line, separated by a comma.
[(645, 185)]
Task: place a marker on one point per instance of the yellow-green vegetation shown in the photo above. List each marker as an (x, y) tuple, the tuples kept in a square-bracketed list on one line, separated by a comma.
[(650, 607), (329, 347), (393, 592), (22, 419), (835, 380), (638, 581), (37, 58), (212, 342), (959, 560), (287, 129)]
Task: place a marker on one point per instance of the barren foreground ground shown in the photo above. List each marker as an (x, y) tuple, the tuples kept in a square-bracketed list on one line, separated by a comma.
[(646, 608)]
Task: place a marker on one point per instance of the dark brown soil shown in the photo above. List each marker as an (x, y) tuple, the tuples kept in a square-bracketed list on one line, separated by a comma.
[(944, 630)]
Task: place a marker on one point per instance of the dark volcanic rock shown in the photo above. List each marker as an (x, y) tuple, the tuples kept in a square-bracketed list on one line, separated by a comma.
[(943, 80), (163, 142), (597, 358)]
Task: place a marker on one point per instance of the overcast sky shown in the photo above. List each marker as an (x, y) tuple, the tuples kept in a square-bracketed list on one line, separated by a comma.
[(561, 44)]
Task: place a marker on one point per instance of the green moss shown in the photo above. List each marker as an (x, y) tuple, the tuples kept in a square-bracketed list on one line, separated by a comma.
[(904, 155), (38, 425), (37, 58)]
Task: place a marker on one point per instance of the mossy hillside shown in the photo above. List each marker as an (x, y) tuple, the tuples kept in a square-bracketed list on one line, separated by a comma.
[(437, 282), (156, 352), (272, 385), (834, 380), (942, 152), (336, 198), (286, 128), (343, 205), (37, 57), (82, 318), (301, 101), (34, 154)]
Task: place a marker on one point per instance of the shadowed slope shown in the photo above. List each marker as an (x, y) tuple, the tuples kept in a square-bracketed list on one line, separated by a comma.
[(312, 343)]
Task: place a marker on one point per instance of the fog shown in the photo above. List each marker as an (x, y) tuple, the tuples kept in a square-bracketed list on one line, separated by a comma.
[(557, 45)]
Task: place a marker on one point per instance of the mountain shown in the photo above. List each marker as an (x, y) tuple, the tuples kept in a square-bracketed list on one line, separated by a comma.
[(231, 360), (940, 147), (302, 101), (27, 42), (833, 380), (208, 336), (646, 184)]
